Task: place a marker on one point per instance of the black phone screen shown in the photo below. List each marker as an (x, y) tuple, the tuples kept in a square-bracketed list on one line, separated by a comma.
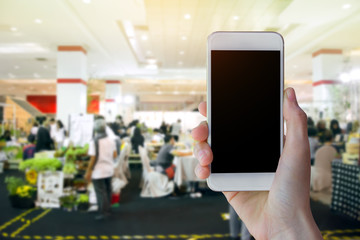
[(245, 111)]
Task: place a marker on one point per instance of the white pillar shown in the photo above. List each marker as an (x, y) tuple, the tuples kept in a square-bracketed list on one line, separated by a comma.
[(71, 82), (327, 65), (113, 99)]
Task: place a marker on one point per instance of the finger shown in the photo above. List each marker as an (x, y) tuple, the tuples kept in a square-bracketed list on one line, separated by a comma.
[(201, 132), (202, 109), (203, 153), (202, 172)]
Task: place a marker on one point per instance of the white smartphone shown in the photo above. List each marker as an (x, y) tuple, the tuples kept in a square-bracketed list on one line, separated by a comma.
[(244, 109)]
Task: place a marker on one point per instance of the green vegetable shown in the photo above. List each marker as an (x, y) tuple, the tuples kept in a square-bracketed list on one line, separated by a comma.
[(68, 201), (69, 168), (40, 164), (13, 152), (82, 198), (12, 183)]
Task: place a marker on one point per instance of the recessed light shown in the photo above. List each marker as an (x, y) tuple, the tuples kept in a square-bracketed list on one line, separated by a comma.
[(183, 38), (87, 1), (38, 21), (16, 67), (236, 18), (13, 29), (187, 16), (181, 52), (346, 6), (144, 37)]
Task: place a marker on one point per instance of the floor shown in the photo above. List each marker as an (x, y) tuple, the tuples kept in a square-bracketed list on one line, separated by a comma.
[(138, 218)]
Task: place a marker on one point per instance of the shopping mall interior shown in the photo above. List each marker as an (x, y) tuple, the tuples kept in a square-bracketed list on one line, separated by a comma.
[(127, 76)]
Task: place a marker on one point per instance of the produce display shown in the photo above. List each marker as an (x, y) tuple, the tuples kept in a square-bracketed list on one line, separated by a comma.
[(41, 164), (13, 152), (69, 168)]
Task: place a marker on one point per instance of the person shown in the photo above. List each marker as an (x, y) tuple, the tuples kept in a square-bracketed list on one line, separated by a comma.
[(165, 157), (43, 139), (313, 142), (6, 136), (111, 134), (284, 211), (176, 130), (137, 140), (102, 150), (335, 127), (59, 134), (163, 128), (29, 150), (321, 127), (310, 122), (157, 136), (34, 129), (52, 128)]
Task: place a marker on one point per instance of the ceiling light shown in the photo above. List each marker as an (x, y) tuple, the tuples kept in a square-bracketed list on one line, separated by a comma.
[(21, 48), (151, 67), (236, 18), (181, 52), (38, 21), (13, 29), (16, 67), (144, 37), (187, 16), (183, 38), (87, 1), (346, 6)]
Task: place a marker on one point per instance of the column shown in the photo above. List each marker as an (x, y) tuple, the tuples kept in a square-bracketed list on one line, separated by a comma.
[(113, 99), (327, 66), (71, 82)]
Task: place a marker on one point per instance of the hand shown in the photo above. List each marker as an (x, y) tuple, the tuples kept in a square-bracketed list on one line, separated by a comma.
[(88, 176), (283, 212)]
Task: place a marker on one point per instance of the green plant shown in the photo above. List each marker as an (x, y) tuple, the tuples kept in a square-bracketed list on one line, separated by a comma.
[(69, 168), (40, 164), (12, 184), (82, 198), (68, 201), (13, 152)]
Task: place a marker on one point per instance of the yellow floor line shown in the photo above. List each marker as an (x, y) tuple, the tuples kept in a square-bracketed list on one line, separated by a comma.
[(8, 223), (29, 222)]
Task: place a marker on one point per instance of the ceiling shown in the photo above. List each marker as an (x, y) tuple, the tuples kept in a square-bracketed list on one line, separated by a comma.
[(158, 47)]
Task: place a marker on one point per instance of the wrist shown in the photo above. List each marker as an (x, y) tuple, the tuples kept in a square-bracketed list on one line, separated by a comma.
[(303, 226)]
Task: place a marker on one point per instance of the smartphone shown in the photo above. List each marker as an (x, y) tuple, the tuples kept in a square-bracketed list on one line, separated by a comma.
[(244, 109)]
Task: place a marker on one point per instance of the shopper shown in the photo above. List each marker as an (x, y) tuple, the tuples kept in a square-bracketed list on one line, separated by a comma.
[(321, 128), (101, 167), (283, 212), (176, 130), (137, 140), (335, 127), (164, 128), (34, 129), (43, 139), (52, 128), (313, 142), (29, 150), (6, 137), (165, 157), (157, 137), (59, 134)]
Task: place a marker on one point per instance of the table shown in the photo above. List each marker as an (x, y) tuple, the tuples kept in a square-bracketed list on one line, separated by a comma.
[(346, 189), (185, 170)]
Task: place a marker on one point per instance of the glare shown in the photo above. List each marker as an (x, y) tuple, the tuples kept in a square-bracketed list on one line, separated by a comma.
[(144, 37), (236, 18), (13, 29), (345, 77), (346, 6), (38, 21), (129, 99), (187, 16)]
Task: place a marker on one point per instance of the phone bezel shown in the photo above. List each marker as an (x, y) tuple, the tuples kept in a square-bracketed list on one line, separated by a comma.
[(243, 41)]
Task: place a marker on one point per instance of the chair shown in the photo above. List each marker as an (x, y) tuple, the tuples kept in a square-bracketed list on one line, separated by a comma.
[(321, 176), (154, 184), (121, 171)]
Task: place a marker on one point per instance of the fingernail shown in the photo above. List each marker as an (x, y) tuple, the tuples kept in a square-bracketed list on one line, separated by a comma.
[(202, 154), (290, 94)]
